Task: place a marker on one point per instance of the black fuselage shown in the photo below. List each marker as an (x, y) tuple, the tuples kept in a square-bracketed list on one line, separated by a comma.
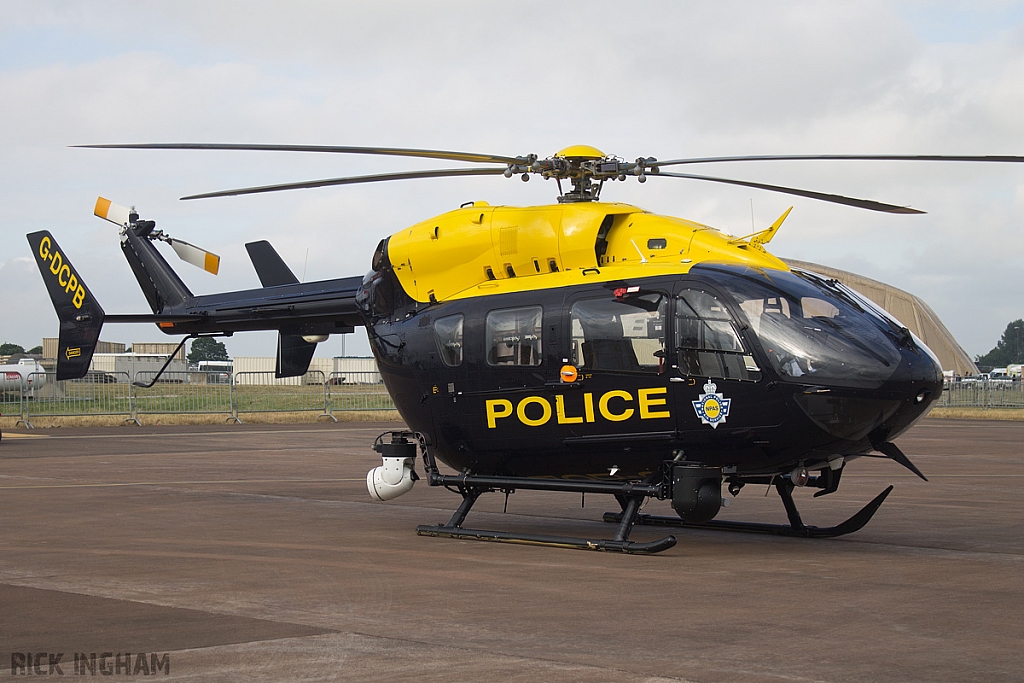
[(752, 370), (835, 378)]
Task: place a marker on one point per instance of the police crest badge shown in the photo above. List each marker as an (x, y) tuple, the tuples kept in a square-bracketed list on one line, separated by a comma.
[(712, 408)]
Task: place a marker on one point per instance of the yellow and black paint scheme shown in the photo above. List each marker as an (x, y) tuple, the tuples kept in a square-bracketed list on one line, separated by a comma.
[(581, 339), (580, 347), (566, 410)]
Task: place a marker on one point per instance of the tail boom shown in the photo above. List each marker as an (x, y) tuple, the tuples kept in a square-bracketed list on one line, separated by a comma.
[(300, 312)]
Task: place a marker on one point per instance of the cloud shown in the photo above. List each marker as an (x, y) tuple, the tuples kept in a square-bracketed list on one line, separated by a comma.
[(666, 79)]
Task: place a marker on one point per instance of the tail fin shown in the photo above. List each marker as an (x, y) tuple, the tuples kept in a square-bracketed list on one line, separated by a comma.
[(269, 265), (163, 288), (293, 352), (79, 313), (161, 285)]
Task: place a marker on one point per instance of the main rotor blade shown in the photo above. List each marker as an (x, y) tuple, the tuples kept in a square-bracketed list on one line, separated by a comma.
[(386, 151), (842, 157), (407, 175), (834, 198)]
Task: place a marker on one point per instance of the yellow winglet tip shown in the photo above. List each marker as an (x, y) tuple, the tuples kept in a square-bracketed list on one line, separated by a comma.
[(765, 236)]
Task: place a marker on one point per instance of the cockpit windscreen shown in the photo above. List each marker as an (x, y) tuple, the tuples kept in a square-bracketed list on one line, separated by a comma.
[(813, 333)]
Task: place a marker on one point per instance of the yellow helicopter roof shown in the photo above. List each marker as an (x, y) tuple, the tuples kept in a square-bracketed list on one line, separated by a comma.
[(481, 249)]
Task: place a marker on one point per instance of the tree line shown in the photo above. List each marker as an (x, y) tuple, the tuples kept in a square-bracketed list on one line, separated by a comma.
[(9, 349), (1008, 350)]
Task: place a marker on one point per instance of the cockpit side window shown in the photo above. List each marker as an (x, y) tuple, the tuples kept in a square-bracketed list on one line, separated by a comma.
[(448, 335), (514, 336), (707, 343), (620, 335)]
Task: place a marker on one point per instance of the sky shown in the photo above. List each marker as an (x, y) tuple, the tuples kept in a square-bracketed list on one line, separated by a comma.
[(663, 79)]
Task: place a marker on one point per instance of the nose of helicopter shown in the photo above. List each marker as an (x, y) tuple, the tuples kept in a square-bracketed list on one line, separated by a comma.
[(919, 382), (855, 371), (871, 415)]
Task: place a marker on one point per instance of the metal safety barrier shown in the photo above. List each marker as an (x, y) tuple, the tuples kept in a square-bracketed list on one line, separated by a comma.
[(182, 393), (357, 391), (11, 405), (261, 392), (983, 394), (98, 393), (114, 393)]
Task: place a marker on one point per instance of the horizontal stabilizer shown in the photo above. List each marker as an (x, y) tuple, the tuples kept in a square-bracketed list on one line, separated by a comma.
[(79, 313), (269, 265)]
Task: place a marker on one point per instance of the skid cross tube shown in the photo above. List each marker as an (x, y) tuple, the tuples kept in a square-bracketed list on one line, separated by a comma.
[(796, 527), (473, 486), (625, 488)]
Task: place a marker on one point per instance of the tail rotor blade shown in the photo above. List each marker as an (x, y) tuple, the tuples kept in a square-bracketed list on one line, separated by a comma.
[(109, 211), (200, 258)]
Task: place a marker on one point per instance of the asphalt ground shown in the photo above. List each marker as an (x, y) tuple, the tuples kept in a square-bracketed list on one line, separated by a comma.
[(253, 552)]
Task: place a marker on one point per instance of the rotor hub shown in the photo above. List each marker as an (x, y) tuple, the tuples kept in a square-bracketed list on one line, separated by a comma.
[(581, 165)]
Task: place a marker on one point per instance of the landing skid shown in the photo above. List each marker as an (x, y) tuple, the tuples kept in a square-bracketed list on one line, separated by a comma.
[(631, 495), (796, 527), (618, 543)]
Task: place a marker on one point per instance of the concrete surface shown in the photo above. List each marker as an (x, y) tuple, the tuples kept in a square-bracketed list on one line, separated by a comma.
[(254, 553)]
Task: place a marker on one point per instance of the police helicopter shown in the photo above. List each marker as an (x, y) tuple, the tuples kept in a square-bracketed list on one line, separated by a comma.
[(582, 346)]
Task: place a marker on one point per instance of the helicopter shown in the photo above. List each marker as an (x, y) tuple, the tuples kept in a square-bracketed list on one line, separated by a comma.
[(581, 346)]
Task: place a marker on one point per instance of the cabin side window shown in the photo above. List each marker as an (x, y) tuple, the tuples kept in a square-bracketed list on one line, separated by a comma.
[(514, 336), (707, 344), (448, 335), (623, 335)]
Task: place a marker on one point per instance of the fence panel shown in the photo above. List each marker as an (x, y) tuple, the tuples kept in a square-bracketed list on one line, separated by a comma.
[(261, 392), (98, 393), (1005, 394), (999, 394), (358, 391), (10, 404), (181, 392)]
